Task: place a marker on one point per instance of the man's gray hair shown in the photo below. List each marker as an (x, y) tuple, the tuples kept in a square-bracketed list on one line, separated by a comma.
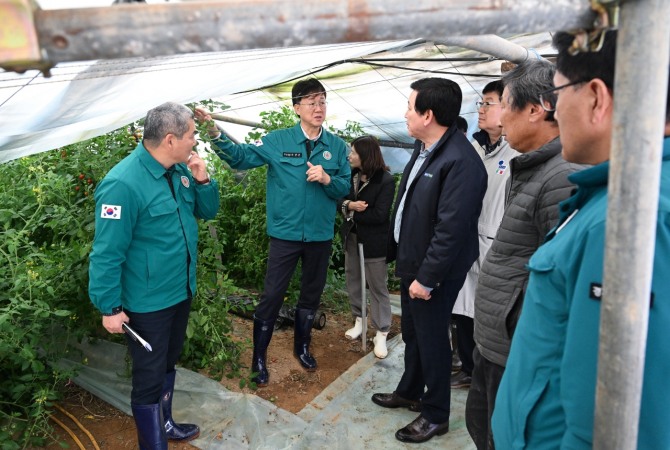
[(170, 117), (527, 80)]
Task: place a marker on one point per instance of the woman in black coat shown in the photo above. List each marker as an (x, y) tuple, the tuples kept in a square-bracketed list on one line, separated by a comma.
[(366, 212)]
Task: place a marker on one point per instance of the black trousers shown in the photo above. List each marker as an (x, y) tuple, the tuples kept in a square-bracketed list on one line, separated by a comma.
[(465, 339), (486, 378), (425, 331), (165, 331), (283, 258)]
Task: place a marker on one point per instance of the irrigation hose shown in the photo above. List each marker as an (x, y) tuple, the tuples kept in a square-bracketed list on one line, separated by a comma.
[(81, 427), (69, 431)]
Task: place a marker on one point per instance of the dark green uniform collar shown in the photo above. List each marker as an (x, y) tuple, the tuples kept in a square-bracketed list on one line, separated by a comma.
[(598, 174), (149, 162), (300, 139)]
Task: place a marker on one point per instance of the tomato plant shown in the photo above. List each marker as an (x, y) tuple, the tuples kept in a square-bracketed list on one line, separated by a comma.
[(47, 226)]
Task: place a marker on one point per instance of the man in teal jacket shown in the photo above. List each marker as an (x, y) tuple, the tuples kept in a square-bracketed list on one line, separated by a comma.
[(143, 263), (307, 172), (547, 395)]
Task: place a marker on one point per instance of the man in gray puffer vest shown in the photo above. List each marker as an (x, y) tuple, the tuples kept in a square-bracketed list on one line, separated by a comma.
[(496, 154), (538, 182)]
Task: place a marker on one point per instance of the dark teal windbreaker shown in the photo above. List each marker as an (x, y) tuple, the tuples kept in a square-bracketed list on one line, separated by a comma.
[(143, 235), (297, 210), (546, 399)]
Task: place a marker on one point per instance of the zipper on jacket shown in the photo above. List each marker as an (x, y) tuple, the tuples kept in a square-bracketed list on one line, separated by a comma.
[(168, 177)]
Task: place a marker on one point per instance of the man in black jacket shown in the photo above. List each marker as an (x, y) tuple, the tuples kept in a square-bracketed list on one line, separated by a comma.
[(434, 242)]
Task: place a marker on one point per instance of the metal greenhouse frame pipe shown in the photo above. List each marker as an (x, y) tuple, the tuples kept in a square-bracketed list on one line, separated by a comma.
[(252, 124), (131, 30), (492, 45), (639, 118)]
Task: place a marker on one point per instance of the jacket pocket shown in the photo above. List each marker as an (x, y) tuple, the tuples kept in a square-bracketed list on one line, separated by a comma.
[(530, 407), (330, 167), (512, 312), (159, 261), (540, 263), (188, 197), (286, 186), (163, 208), (163, 269), (293, 161)]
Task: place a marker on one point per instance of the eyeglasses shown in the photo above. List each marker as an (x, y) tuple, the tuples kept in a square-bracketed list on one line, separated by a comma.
[(485, 105), (313, 105), (548, 97)]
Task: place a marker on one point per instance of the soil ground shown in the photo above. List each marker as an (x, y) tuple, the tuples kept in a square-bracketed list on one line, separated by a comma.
[(290, 387)]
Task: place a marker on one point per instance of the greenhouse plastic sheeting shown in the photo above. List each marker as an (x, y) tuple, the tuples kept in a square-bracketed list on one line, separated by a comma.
[(86, 99), (341, 417)]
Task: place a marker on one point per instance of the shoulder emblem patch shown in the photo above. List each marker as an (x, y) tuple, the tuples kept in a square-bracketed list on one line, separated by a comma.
[(110, 212), (596, 291)]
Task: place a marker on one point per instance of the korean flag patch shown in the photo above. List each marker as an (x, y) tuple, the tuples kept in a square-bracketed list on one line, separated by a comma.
[(110, 212)]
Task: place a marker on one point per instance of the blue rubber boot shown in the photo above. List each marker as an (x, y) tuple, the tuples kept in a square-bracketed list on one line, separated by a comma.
[(149, 423), (175, 431), (262, 335), (304, 318)]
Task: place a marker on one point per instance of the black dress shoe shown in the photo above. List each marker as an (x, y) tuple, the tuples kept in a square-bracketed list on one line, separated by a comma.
[(393, 400), (461, 380), (421, 430)]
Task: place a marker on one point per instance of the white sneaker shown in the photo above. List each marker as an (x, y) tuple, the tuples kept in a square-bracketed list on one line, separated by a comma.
[(355, 332), (380, 344)]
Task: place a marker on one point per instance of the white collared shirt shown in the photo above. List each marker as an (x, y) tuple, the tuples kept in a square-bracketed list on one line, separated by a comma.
[(425, 152)]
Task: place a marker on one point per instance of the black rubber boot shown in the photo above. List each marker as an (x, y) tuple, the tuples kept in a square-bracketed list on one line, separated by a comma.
[(150, 431), (304, 318), (175, 431), (262, 335)]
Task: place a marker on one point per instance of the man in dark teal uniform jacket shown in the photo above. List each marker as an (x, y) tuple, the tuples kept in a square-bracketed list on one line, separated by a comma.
[(308, 172), (547, 395), (143, 263)]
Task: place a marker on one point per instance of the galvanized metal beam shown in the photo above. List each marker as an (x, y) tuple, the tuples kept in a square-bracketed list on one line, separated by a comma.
[(492, 45), (252, 124), (637, 147), (133, 30), (236, 120)]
